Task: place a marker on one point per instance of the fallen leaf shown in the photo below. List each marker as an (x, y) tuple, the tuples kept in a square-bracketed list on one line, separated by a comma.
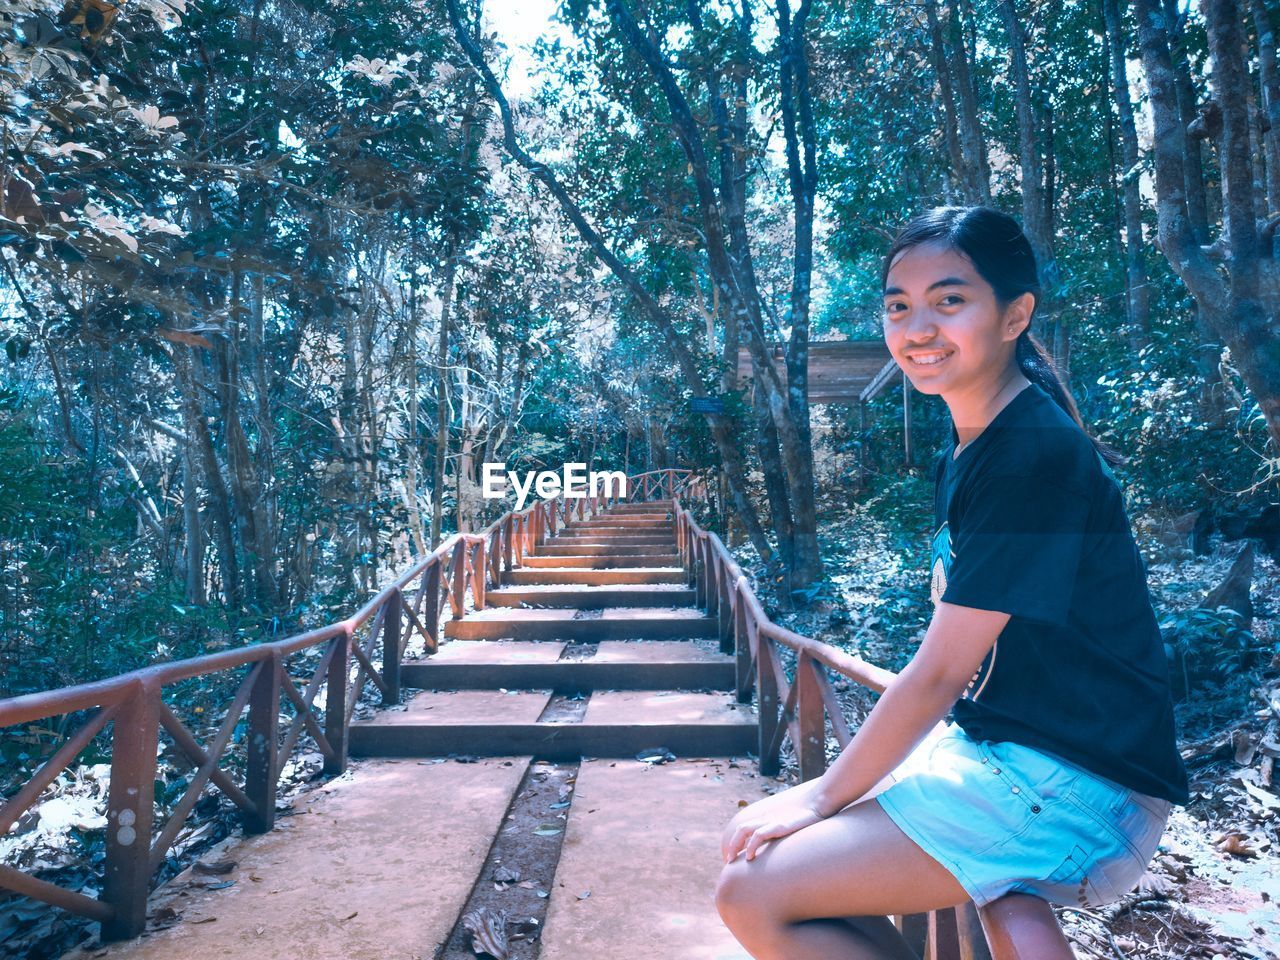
[(488, 932), (1234, 844), (1155, 885), (216, 869)]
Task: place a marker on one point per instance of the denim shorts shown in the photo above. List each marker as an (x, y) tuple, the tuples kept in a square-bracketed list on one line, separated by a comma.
[(1006, 818)]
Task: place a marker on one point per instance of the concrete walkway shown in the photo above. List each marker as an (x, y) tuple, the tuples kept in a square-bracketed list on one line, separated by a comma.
[(377, 865)]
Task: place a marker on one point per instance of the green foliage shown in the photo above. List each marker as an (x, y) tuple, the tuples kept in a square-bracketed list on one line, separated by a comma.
[(1205, 644)]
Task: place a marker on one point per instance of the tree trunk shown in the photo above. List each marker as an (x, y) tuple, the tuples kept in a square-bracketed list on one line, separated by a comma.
[(973, 143), (1139, 327), (442, 398), (1269, 80), (1240, 307)]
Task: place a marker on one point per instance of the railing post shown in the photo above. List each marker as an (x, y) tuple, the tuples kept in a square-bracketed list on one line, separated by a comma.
[(699, 572), (811, 750), (335, 704), (431, 604), (459, 578), (477, 574), (973, 938), (714, 570), (391, 647), (131, 811), (742, 646), (944, 939), (507, 529), (263, 744), (725, 625), (914, 928), (766, 705)]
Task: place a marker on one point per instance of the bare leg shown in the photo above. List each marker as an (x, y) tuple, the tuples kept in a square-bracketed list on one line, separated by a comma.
[(876, 930), (856, 864)]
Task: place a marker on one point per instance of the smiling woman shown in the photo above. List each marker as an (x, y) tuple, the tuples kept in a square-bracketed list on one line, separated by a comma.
[(1043, 626)]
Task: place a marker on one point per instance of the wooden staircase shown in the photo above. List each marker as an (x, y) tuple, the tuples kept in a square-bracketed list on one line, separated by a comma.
[(593, 648)]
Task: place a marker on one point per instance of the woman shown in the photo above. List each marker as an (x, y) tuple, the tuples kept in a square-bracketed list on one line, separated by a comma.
[(1029, 745)]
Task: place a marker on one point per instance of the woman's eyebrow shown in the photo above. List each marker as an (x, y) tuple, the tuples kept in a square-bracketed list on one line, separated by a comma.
[(944, 282)]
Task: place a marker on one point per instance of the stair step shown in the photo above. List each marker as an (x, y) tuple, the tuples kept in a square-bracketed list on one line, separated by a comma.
[(595, 562), (603, 550), (590, 597), (621, 525), (616, 724), (663, 515), (625, 538), (641, 505), (579, 575), (535, 665), (614, 623)]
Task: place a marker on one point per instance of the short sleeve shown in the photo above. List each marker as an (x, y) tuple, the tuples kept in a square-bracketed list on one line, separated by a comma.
[(1017, 548)]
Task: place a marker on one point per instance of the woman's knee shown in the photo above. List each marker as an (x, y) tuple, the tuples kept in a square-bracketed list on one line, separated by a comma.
[(739, 892)]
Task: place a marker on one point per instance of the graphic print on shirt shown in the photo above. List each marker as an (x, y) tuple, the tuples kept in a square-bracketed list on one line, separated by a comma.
[(939, 567)]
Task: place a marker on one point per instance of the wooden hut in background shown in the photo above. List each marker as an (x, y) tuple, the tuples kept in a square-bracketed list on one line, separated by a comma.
[(845, 371)]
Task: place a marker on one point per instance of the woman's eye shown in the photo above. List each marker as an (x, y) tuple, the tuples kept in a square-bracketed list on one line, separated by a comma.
[(951, 299), (894, 306)]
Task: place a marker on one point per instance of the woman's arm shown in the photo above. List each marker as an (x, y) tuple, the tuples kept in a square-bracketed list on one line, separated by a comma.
[(951, 652), (917, 698)]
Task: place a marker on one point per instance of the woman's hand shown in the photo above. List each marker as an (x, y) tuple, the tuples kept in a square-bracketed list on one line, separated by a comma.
[(770, 825)]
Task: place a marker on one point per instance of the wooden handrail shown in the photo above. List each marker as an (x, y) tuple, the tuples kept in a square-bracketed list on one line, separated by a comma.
[(132, 705), (1013, 927)]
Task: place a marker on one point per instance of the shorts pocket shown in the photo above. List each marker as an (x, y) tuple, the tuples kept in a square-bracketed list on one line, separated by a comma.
[(1125, 829)]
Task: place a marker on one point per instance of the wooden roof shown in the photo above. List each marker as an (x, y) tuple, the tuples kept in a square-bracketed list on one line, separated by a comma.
[(840, 371)]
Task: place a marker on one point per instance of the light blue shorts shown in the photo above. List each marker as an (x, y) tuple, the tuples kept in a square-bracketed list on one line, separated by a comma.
[(1006, 818)]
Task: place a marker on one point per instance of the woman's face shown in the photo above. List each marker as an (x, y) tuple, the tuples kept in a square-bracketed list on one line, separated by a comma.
[(942, 323)]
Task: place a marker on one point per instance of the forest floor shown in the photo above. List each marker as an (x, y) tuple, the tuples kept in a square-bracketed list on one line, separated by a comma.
[(1211, 888)]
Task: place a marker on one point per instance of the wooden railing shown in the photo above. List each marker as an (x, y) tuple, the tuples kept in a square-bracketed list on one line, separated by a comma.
[(133, 704), (1013, 927)]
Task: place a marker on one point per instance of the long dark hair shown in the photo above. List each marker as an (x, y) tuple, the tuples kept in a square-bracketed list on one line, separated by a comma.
[(1002, 256)]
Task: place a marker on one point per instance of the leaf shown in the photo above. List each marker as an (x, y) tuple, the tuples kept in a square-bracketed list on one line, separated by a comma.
[(546, 830), (1155, 885), (488, 932), (218, 868), (1235, 845)]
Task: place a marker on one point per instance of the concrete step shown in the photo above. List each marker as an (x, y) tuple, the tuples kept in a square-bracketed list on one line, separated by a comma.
[(536, 665), (620, 723), (641, 506), (662, 515), (622, 525), (597, 562), (614, 623), (609, 539), (594, 575), (603, 550), (587, 597)]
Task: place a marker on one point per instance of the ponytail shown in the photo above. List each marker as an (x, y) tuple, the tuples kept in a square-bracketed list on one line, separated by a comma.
[(1038, 367)]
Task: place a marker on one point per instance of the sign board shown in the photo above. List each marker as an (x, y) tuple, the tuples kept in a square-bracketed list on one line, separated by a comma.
[(706, 404)]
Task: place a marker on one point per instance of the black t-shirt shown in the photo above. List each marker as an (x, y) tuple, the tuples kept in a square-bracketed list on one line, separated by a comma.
[(1030, 521)]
